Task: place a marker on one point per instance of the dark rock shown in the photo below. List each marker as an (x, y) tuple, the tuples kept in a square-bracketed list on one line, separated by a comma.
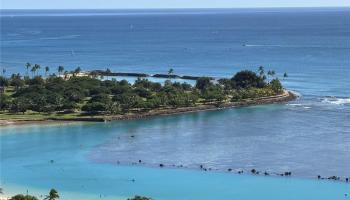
[(165, 76)]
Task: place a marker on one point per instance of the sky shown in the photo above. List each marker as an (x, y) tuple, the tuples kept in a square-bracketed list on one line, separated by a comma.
[(122, 4)]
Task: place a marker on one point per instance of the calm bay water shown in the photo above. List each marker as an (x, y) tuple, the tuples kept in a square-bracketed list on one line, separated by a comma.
[(309, 136)]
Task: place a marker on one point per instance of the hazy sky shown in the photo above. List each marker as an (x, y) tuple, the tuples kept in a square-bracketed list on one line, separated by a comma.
[(64, 4)]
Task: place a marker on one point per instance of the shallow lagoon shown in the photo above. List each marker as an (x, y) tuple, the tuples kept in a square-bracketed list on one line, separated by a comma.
[(110, 182), (85, 158)]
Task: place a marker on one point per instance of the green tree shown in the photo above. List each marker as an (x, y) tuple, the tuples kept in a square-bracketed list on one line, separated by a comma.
[(213, 92), (36, 81), (23, 197), (16, 81), (226, 83), (113, 108), (19, 104), (203, 82), (4, 82), (4, 101), (246, 79), (276, 86), (142, 92), (94, 107), (53, 195), (74, 93)]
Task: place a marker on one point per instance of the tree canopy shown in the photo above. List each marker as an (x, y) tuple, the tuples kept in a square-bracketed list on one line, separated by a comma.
[(90, 95)]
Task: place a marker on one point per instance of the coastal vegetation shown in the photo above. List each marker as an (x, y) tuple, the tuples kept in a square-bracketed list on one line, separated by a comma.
[(68, 95), (53, 195)]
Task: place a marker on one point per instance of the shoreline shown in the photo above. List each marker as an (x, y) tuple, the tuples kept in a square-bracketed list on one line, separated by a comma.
[(284, 97)]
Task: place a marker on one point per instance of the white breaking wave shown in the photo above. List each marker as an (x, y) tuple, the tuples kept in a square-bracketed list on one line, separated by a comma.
[(285, 46), (299, 106), (336, 100), (60, 37), (296, 93)]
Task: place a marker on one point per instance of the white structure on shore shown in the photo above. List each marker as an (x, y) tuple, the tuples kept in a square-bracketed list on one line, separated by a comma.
[(72, 74)]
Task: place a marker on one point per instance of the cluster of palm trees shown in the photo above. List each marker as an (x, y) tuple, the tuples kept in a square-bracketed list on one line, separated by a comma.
[(53, 195), (34, 69), (270, 73)]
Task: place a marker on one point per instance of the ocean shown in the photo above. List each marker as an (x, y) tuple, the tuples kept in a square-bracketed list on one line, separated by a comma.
[(309, 136)]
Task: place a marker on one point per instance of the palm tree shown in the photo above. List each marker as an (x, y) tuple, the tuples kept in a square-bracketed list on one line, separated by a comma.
[(60, 69), (36, 68), (33, 71), (108, 71), (261, 72), (47, 69), (28, 65), (53, 195), (271, 73), (171, 71), (268, 75), (3, 71)]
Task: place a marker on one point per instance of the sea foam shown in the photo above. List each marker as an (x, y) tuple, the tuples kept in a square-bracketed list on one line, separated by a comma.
[(336, 100)]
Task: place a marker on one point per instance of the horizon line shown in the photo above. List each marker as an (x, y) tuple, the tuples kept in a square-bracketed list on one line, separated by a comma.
[(177, 8)]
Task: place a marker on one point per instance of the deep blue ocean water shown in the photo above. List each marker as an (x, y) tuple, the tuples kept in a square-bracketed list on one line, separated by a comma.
[(309, 136)]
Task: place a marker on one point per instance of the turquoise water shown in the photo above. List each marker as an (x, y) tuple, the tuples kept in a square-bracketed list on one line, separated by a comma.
[(309, 136), (27, 152)]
